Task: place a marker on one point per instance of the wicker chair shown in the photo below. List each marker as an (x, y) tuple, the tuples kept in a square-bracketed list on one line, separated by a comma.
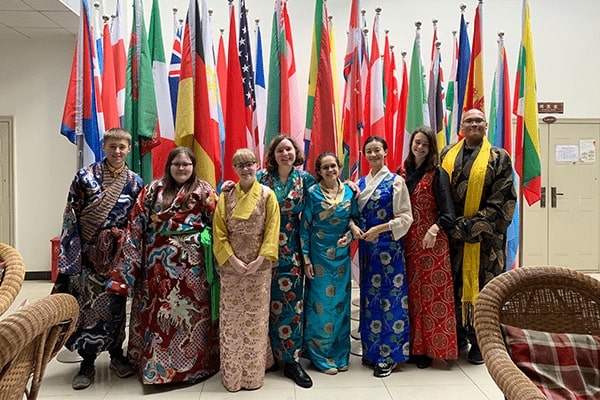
[(29, 339), (14, 273), (543, 298)]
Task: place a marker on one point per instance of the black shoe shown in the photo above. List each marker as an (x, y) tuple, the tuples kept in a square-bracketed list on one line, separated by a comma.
[(85, 377), (463, 346), (273, 367), (423, 361), (368, 363), (474, 356), (121, 366), (295, 372), (382, 370)]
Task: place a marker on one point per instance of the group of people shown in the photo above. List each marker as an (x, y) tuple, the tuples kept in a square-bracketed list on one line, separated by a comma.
[(257, 277)]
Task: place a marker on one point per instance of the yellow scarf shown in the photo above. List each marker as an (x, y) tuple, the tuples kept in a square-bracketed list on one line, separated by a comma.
[(246, 201), (471, 251)]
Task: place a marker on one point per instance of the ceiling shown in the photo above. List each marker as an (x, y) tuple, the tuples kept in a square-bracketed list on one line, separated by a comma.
[(36, 19)]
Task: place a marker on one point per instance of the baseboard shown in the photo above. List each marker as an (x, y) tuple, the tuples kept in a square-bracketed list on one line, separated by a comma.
[(38, 276)]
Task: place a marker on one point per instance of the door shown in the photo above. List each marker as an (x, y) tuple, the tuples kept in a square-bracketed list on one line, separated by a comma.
[(564, 228), (6, 199)]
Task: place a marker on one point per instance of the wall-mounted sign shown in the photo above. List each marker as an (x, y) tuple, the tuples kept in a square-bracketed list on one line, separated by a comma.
[(548, 107)]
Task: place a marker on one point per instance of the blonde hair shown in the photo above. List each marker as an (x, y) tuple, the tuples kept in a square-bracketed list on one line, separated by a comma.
[(243, 155), (117, 133)]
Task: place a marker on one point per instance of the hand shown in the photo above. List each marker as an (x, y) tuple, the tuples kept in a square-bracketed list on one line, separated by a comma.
[(308, 271), (342, 242), (254, 265), (354, 187), (371, 235), (357, 233), (238, 265), (227, 186), (430, 236)]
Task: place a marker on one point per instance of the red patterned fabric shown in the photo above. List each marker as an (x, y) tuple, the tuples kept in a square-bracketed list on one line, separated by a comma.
[(562, 365), (430, 291)]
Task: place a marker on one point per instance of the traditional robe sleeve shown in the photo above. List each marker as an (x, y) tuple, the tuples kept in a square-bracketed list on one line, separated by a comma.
[(443, 197), (498, 206), (221, 246), (69, 258), (306, 223), (403, 217), (270, 245)]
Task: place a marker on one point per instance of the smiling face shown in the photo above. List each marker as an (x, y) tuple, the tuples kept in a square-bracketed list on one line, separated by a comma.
[(420, 147), (285, 154), (116, 150), (473, 127), (181, 168), (328, 168), (375, 153)]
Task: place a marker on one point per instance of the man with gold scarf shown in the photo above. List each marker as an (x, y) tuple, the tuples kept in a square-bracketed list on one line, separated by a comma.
[(484, 199), (99, 202)]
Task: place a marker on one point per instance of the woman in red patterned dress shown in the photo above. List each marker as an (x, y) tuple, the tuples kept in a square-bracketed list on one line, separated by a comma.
[(430, 294)]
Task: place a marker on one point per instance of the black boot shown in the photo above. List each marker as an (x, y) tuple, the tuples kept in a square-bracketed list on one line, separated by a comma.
[(295, 372)]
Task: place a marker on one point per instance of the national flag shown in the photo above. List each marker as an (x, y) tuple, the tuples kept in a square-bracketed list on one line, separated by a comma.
[(462, 74), (374, 106), (222, 74), (80, 120), (435, 100), (245, 55), (417, 99), (320, 134), (109, 89), (97, 35), (194, 127), (402, 138), (474, 95), (499, 135), (175, 66), (166, 125), (336, 92), (117, 35), (235, 124), (260, 94), (283, 103), (391, 101), (452, 95), (140, 100), (527, 142), (352, 113)]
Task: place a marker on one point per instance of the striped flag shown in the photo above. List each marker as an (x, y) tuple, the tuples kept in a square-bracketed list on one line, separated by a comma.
[(474, 95), (435, 100), (283, 103), (374, 107), (235, 124), (527, 140), (352, 116), (391, 101), (194, 127), (117, 34), (451, 95), (336, 91), (109, 88), (417, 99), (499, 135), (166, 125), (222, 74), (462, 73), (402, 138), (140, 100), (80, 119), (320, 134), (260, 94)]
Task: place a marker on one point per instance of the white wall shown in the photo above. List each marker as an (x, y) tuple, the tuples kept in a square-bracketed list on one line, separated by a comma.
[(34, 74)]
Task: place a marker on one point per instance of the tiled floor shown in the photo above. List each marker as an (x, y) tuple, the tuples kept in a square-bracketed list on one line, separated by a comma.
[(459, 380)]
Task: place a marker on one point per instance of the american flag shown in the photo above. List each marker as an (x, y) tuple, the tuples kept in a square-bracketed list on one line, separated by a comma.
[(245, 57)]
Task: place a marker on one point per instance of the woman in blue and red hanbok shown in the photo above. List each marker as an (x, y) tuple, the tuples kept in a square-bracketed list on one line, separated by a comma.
[(385, 216)]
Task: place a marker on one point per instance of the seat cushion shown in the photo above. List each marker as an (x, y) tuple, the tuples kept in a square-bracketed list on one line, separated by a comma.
[(562, 365)]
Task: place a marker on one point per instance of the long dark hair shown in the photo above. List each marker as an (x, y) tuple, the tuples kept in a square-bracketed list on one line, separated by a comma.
[(171, 186), (432, 160), (318, 163), (271, 163)]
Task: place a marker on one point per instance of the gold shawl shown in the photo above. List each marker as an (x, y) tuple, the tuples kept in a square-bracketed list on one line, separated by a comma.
[(471, 251), (246, 201)]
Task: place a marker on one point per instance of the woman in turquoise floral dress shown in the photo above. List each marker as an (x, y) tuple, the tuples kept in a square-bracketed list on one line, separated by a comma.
[(287, 288)]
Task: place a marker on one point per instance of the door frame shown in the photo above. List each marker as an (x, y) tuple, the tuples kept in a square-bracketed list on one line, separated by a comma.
[(10, 185)]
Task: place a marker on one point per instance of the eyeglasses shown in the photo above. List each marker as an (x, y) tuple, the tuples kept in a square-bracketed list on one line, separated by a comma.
[(248, 164), (181, 165), (330, 166), (474, 121)]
